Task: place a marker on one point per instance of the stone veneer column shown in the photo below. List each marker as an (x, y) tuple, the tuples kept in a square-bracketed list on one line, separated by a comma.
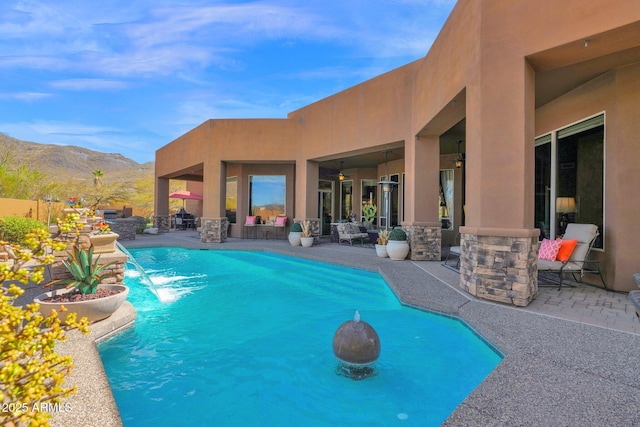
[(214, 230), (314, 225), (162, 223), (425, 241), (499, 264)]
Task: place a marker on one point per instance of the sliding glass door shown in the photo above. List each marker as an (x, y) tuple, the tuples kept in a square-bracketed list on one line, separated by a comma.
[(569, 182)]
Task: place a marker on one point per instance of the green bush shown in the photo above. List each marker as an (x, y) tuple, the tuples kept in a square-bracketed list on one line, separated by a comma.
[(14, 229), (296, 227), (397, 234), (141, 224)]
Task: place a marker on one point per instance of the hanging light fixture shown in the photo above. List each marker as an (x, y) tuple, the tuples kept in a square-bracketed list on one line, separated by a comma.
[(341, 175), (459, 161)]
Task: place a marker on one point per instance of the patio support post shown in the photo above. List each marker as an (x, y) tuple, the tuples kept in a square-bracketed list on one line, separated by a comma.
[(498, 259), (423, 229), (161, 219), (214, 221), (306, 196)]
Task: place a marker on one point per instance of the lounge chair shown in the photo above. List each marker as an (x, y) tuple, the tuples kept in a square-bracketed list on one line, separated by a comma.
[(348, 232), (455, 252), (280, 224), (250, 222), (586, 235)]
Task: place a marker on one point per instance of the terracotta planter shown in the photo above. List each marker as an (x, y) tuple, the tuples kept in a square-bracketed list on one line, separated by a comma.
[(306, 242), (397, 249), (381, 251), (294, 238), (103, 243), (94, 310)]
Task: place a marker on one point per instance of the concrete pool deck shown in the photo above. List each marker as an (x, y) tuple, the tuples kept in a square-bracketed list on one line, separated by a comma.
[(570, 358)]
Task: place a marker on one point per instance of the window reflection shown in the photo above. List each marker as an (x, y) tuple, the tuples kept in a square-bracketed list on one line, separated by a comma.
[(232, 199), (267, 196)]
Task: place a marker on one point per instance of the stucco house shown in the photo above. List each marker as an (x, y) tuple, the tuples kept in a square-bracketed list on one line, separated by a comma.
[(517, 104)]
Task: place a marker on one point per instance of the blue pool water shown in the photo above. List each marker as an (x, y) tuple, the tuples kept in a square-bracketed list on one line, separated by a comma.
[(244, 339)]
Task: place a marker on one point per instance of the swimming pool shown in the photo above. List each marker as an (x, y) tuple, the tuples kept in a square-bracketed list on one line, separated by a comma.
[(244, 338)]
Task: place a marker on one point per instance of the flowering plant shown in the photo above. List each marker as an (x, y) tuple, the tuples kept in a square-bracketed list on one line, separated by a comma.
[(101, 227), (75, 202)]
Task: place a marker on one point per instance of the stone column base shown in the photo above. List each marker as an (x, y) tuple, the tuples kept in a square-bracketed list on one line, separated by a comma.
[(214, 230), (499, 264), (314, 225), (425, 240), (162, 223)]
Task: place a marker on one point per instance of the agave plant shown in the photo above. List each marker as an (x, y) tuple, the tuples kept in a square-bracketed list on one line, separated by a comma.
[(87, 274), (383, 237), (306, 229)]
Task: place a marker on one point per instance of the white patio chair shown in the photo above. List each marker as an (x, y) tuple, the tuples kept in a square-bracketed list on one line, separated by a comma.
[(578, 263)]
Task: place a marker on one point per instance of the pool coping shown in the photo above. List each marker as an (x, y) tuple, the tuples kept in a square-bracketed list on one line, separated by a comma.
[(554, 371)]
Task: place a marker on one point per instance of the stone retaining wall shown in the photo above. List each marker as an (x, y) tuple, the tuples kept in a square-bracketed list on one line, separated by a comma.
[(125, 227)]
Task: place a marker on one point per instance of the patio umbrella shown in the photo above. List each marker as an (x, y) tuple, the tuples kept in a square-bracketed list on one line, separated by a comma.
[(185, 195)]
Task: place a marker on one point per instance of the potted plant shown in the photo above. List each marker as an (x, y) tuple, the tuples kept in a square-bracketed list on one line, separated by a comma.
[(369, 213), (294, 234), (84, 294), (305, 236), (381, 246), (102, 238), (397, 247)]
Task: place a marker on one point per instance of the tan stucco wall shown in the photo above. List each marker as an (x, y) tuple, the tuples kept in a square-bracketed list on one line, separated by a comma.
[(617, 94), (483, 68)]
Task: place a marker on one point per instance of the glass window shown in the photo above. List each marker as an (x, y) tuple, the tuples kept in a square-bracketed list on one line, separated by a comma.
[(267, 194), (346, 199), (445, 212), (369, 197), (569, 184), (232, 198)]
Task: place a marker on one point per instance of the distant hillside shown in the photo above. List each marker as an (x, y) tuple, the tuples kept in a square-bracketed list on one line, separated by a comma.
[(68, 160)]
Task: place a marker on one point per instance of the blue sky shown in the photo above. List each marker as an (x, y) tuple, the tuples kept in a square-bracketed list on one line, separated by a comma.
[(129, 76)]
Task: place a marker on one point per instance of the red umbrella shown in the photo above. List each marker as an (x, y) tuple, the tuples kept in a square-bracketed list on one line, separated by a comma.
[(185, 195)]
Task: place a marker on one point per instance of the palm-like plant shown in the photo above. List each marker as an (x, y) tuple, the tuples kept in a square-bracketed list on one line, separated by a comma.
[(87, 274), (97, 178)]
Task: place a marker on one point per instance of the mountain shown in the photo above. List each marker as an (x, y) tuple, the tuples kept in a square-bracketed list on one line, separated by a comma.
[(68, 160)]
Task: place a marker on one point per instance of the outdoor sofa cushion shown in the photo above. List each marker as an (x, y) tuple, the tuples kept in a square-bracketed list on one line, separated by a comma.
[(566, 249), (549, 249)]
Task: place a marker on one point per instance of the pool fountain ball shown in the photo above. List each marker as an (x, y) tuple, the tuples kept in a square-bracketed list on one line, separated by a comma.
[(357, 346)]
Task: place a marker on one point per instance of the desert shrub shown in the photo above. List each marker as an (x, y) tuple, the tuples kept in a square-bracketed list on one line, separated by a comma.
[(397, 234), (141, 224), (32, 374), (296, 227), (14, 229)]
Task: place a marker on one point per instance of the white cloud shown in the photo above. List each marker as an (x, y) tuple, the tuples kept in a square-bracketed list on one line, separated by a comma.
[(88, 84), (25, 96), (144, 38)]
